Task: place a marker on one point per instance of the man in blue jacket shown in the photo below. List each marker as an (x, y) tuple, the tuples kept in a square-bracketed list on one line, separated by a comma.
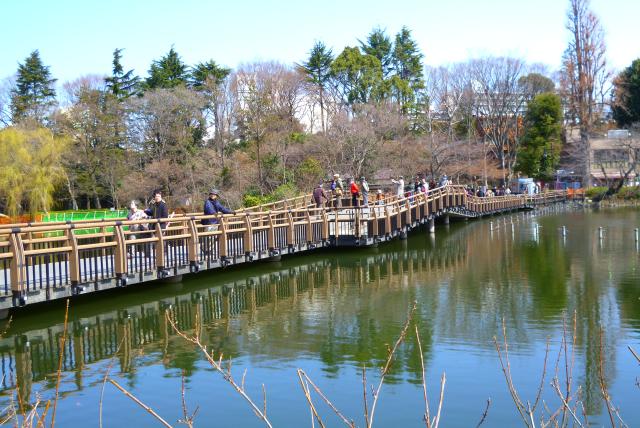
[(213, 206)]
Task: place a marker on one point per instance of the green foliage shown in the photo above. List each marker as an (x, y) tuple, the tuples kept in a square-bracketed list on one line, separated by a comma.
[(30, 168), (34, 94), (309, 172), (285, 191), (206, 75), (122, 85), (535, 84), (629, 193), (359, 76), (407, 63), (378, 44), (597, 191), (317, 68), (253, 197), (539, 152), (167, 72), (626, 106)]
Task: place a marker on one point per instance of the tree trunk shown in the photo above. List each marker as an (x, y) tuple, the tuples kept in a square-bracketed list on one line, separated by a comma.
[(322, 125), (586, 147), (72, 195)]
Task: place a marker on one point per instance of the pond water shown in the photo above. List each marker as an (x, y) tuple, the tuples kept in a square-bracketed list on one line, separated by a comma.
[(331, 313)]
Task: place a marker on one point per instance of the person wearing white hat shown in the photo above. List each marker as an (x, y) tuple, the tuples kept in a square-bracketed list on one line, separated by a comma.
[(136, 214), (337, 189)]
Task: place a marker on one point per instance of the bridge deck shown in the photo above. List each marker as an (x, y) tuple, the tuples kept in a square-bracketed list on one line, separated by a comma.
[(51, 261)]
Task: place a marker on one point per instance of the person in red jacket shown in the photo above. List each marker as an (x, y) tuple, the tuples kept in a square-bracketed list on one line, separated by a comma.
[(355, 192)]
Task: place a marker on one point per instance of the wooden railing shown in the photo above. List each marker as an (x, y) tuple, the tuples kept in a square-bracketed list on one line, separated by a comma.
[(49, 261)]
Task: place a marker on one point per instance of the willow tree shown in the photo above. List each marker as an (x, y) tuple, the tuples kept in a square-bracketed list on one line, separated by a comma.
[(30, 169)]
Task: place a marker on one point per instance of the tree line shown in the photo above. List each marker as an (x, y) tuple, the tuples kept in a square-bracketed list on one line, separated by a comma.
[(268, 130)]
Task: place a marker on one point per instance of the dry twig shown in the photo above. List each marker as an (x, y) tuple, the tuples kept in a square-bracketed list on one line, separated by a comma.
[(63, 341), (139, 403), (387, 365), (218, 366)]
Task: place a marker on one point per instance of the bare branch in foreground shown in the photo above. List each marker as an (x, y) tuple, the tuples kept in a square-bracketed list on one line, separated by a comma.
[(140, 403)]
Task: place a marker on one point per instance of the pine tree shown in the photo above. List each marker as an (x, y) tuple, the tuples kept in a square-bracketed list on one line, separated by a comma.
[(122, 85), (379, 45), (317, 70), (207, 72), (407, 63), (34, 94), (167, 72)]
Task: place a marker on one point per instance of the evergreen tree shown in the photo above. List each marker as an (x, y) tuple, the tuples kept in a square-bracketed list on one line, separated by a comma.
[(408, 80), (167, 72), (34, 94), (539, 153), (205, 72), (626, 95), (359, 76), (122, 85), (379, 45), (317, 70)]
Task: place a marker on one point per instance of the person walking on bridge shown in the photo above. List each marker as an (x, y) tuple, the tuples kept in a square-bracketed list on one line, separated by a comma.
[(364, 186), (213, 206), (318, 195), (337, 190), (355, 192), (158, 209), (399, 186)]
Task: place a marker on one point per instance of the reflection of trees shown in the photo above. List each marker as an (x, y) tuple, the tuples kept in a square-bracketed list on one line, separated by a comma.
[(345, 307)]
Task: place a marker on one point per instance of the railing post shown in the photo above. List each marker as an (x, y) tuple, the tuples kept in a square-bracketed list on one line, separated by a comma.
[(357, 222), (387, 220), (325, 225), (222, 240), (74, 256), (408, 213), (309, 227), (290, 230), (193, 243), (17, 266), (248, 235), (271, 233), (160, 255), (375, 229), (120, 254)]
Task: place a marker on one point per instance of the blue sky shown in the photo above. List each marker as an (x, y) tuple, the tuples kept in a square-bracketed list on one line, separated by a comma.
[(77, 38)]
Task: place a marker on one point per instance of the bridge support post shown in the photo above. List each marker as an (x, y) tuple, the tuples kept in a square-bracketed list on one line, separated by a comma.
[(446, 219), (17, 268), (432, 225)]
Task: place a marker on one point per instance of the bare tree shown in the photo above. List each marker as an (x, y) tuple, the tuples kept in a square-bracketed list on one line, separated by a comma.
[(584, 72), (6, 86), (499, 107), (619, 162), (268, 102), (449, 95)]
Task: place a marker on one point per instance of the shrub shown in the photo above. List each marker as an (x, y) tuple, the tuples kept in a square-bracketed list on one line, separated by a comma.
[(592, 192)]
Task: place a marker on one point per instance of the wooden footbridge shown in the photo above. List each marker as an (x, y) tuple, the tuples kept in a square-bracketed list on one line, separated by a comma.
[(41, 262)]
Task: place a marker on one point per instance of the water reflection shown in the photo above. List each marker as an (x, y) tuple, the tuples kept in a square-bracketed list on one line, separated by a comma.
[(344, 308)]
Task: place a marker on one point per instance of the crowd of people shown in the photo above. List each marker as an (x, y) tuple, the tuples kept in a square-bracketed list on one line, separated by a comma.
[(334, 196)]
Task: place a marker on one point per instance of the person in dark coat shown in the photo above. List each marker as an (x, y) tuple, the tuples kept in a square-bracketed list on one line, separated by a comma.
[(158, 208), (318, 195), (213, 206)]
